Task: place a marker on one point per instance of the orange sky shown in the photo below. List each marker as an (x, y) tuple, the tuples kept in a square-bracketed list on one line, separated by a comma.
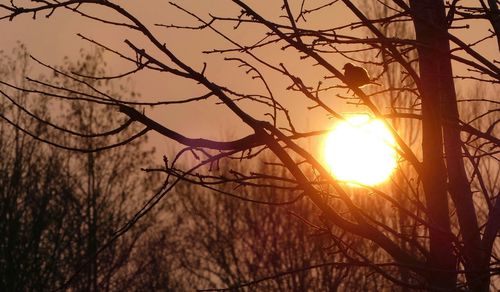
[(53, 38)]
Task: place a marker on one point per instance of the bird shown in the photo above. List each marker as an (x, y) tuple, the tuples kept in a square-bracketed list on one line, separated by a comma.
[(357, 76)]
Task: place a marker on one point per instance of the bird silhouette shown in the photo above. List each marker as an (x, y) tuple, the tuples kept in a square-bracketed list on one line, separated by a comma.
[(357, 76)]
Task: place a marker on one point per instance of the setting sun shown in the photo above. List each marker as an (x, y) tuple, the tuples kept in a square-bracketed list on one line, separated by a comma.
[(360, 150)]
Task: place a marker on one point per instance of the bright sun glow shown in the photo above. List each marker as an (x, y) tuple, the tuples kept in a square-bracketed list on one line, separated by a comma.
[(360, 150)]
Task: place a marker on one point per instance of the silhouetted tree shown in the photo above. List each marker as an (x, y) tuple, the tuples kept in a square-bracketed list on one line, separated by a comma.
[(59, 207), (446, 238)]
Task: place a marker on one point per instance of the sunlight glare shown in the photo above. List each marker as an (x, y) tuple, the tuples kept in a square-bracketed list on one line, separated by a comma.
[(360, 150)]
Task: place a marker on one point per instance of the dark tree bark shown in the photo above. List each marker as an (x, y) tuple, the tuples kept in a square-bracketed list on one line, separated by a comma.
[(439, 103), (493, 15), (428, 15)]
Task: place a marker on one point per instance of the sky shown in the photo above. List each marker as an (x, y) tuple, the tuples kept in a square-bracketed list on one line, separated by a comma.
[(51, 39)]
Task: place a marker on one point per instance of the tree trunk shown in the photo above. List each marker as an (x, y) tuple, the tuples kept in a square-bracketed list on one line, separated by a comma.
[(442, 261), (459, 186), (437, 80), (494, 17)]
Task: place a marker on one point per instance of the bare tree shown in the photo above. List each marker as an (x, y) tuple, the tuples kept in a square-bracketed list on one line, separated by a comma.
[(268, 239), (60, 206), (445, 244)]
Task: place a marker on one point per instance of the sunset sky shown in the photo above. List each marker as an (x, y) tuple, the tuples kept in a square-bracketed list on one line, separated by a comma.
[(334, 147), (51, 39)]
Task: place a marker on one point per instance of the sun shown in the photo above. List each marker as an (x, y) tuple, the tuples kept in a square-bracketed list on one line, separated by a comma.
[(360, 150)]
